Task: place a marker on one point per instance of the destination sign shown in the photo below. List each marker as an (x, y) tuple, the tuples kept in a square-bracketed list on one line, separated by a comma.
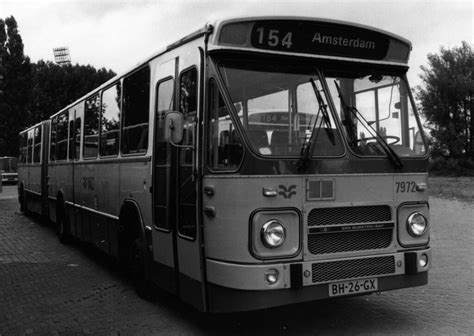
[(319, 38)]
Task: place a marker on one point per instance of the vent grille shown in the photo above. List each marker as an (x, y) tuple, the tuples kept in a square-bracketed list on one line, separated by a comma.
[(348, 215), (333, 242), (350, 269)]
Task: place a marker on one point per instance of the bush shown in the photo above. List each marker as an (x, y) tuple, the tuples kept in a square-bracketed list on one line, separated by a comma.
[(451, 167)]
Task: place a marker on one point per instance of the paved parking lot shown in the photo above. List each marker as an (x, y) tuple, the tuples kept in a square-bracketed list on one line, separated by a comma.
[(50, 289)]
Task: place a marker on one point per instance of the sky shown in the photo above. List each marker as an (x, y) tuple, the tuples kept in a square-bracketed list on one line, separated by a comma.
[(117, 34)]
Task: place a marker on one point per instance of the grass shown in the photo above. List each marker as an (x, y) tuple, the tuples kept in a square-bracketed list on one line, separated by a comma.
[(452, 187)]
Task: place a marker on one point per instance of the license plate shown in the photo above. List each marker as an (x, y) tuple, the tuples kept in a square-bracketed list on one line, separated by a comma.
[(353, 287)]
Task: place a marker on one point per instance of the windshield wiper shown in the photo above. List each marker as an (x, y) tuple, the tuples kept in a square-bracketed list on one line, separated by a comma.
[(351, 110), (308, 147)]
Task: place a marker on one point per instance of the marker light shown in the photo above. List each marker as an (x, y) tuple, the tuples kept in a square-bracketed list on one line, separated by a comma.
[(423, 261), (273, 234), (417, 224), (271, 276)]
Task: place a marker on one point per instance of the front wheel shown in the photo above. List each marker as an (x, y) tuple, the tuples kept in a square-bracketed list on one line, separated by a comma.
[(137, 260)]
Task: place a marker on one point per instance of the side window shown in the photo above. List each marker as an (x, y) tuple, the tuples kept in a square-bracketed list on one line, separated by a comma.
[(54, 132), (164, 94), (225, 150), (37, 145), (23, 148), (72, 145), (164, 103), (110, 121), (77, 138), (91, 127), (62, 136), (188, 106), (136, 101), (30, 146)]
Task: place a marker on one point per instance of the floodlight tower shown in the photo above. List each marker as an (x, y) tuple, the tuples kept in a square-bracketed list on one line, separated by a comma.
[(62, 56)]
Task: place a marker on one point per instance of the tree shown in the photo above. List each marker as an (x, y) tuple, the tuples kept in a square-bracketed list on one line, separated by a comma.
[(447, 100), (55, 86), (15, 86), (30, 92)]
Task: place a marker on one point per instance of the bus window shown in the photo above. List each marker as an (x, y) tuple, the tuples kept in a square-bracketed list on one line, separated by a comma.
[(91, 127), (281, 109), (62, 135), (52, 147), (30, 147), (188, 106), (110, 121), (37, 145), (23, 148), (77, 138), (72, 145), (164, 94), (164, 104), (187, 196), (383, 103), (225, 151), (135, 119)]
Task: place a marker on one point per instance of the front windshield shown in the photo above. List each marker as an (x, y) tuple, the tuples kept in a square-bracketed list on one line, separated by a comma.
[(384, 106), (279, 110)]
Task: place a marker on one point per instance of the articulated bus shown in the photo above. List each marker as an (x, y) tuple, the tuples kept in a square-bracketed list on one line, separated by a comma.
[(257, 162)]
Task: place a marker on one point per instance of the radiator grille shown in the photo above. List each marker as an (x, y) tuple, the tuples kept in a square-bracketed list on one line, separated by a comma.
[(350, 269), (334, 242), (347, 215)]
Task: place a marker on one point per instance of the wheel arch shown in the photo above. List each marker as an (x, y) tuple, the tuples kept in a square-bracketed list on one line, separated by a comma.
[(130, 211)]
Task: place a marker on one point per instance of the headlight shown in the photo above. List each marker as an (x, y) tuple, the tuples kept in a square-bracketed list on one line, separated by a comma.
[(273, 234), (416, 224)]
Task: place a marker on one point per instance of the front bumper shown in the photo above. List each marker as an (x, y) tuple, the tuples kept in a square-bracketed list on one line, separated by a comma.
[(309, 280)]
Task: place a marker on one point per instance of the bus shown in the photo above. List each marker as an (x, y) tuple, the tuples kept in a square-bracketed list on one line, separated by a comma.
[(257, 162), (8, 169)]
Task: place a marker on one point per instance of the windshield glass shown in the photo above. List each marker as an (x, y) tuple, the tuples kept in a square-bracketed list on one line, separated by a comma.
[(279, 109), (384, 106)]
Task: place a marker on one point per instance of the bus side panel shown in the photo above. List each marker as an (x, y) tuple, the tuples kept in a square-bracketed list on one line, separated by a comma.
[(135, 183), (108, 185), (66, 178), (34, 199), (85, 198)]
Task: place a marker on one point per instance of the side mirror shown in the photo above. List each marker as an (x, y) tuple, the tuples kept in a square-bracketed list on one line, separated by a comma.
[(174, 125)]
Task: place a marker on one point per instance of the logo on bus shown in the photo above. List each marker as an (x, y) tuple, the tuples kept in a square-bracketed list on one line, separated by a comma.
[(287, 192)]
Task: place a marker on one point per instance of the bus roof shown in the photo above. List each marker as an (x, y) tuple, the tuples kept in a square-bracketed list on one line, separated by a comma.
[(216, 29)]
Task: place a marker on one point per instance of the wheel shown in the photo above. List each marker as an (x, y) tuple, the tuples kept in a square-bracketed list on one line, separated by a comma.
[(137, 260), (61, 225), (22, 200)]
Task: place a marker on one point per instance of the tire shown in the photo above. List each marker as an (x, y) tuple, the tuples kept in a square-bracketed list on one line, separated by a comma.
[(61, 225), (137, 259), (22, 200)]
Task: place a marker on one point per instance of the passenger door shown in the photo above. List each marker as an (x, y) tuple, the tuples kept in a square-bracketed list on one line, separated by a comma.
[(165, 268), (176, 241)]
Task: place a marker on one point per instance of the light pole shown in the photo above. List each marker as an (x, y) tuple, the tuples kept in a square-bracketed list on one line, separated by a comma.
[(62, 56)]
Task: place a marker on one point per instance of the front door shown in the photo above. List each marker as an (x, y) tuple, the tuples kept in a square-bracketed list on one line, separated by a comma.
[(176, 241), (165, 268)]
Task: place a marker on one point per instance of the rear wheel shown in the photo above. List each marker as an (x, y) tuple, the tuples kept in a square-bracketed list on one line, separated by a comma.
[(61, 224), (22, 200)]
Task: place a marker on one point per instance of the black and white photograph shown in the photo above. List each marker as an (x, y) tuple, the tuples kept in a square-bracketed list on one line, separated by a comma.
[(236, 167)]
